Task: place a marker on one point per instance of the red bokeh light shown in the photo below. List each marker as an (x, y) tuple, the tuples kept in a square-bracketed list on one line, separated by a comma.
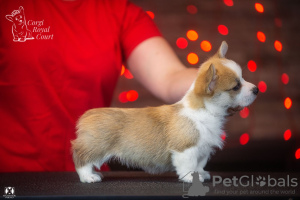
[(285, 78), (223, 30), (297, 153), (287, 134), (192, 58), (128, 74), (223, 135), (261, 36), (278, 45), (245, 112), (132, 95), (262, 86), (228, 2), (192, 9), (205, 45), (151, 14), (251, 66), (288, 103), (244, 139), (192, 35), (259, 7), (122, 70), (182, 43)]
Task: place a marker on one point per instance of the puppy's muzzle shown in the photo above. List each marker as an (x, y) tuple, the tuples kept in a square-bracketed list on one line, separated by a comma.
[(255, 90)]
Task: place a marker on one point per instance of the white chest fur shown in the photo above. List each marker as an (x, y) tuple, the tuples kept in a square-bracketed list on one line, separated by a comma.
[(209, 128), (208, 125)]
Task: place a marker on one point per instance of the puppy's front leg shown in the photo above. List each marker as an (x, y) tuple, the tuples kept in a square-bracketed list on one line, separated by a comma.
[(185, 163), (200, 168)]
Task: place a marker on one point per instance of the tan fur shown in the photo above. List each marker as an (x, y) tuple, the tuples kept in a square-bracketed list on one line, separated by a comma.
[(226, 80), (145, 135)]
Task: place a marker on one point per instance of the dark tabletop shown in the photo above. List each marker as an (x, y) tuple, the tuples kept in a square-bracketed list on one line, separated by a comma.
[(140, 185)]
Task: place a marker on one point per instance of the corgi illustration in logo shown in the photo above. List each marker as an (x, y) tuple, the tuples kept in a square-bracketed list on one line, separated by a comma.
[(19, 27)]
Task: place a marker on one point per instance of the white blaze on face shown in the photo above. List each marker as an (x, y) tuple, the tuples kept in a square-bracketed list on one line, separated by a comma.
[(246, 96)]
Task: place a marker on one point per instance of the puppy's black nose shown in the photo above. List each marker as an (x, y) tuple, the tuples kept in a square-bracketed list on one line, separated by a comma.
[(255, 90)]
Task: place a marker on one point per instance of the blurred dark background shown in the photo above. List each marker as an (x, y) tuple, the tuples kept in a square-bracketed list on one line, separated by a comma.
[(265, 136)]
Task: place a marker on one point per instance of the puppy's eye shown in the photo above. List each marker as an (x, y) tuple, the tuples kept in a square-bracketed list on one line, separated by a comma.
[(237, 87)]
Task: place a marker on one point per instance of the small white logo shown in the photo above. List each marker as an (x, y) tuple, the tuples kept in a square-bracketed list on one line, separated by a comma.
[(197, 188), (9, 192), (19, 27), (23, 30), (261, 181)]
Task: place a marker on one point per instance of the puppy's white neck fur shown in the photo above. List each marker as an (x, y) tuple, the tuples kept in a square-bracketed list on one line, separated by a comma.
[(209, 121), (214, 110)]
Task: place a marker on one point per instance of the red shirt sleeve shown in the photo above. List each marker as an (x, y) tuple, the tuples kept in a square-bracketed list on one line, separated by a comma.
[(137, 26)]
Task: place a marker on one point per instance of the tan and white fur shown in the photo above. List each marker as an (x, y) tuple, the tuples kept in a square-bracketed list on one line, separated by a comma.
[(179, 137)]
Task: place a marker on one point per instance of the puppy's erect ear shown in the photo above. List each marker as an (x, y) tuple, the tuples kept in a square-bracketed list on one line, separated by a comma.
[(211, 78), (222, 50), (206, 81)]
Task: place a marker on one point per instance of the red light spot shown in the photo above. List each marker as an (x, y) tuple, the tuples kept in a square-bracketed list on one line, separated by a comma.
[(262, 86), (128, 74), (123, 97), (261, 36), (288, 103), (244, 139), (244, 113), (132, 95), (287, 134), (223, 30), (122, 70), (228, 2), (297, 154), (192, 35), (151, 14), (223, 135), (192, 9), (278, 45), (285, 78), (205, 45), (181, 43), (192, 58), (259, 7), (251, 66)]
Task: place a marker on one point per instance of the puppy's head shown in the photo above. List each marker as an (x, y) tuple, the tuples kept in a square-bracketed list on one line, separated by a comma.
[(220, 84)]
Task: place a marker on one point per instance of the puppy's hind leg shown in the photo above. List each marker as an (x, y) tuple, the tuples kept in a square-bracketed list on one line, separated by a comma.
[(87, 174), (85, 163)]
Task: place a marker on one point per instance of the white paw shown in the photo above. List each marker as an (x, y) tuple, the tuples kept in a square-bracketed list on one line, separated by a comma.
[(90, 178), (188, 178), (205, 175)]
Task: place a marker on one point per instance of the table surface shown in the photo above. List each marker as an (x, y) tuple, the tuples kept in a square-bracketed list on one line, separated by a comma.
[(136, 185)]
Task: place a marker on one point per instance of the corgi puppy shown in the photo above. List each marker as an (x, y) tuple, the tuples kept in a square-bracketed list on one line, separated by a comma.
[(179, 137)]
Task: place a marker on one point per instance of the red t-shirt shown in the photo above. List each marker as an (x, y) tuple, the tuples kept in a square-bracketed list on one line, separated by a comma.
[(57, 60)]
